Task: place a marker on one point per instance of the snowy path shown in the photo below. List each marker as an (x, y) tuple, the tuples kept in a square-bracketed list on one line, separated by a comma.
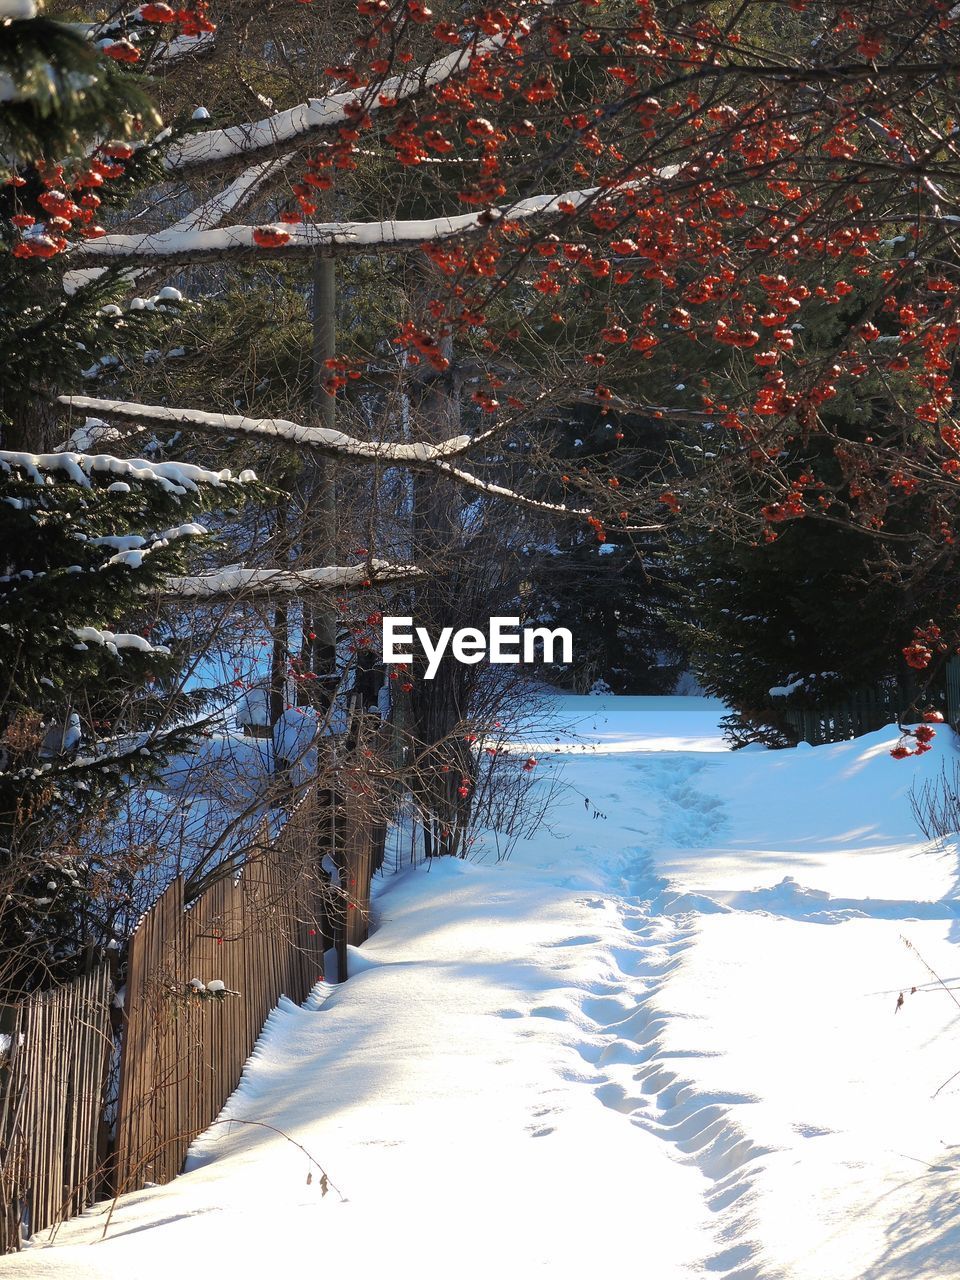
[(663, 1044)]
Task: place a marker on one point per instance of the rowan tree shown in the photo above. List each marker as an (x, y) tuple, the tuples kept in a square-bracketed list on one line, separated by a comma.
[(581, 203)]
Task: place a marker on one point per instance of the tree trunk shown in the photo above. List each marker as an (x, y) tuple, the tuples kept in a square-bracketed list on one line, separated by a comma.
[(318, 496)]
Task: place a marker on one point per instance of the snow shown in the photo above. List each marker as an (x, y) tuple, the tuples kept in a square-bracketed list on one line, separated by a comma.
[(62, 738), (329, 440), (471, 481), (94, 431), (660, 1040), (795, 682), (294, 737), (215, 795), (241, 189), (176, 478), (14, 88), (208, 214), (785, 690), (182, 45), (113, 641), (254, 708), (188, 242), (135, 542)]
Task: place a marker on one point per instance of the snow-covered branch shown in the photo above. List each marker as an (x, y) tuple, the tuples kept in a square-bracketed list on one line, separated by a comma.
[(204, 217), (246, 584), (181, 245), (492, 490), (317, 114), (422, 456), (114, 641), (322, 439), (238, 193)]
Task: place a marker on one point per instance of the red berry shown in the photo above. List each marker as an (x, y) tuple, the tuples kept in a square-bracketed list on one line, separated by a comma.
[(122, 51), (270, 237), (157, 13)]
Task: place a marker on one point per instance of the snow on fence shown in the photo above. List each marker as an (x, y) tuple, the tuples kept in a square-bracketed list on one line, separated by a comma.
[(55, 1053), (201, 980)]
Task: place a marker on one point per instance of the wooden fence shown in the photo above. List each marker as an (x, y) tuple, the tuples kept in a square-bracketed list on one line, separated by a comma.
[(57, 1051), (262, 936), (861, 712), (872, 708), (254, 937)]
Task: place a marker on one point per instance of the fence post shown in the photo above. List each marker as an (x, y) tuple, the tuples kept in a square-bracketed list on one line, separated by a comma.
[(953, 691), (11, 1135)]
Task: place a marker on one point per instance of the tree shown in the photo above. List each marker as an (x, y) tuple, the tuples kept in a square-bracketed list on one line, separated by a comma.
[(819, 613), (88, 542), (577, 203), (617, 597), (774, 628), (776, 128)]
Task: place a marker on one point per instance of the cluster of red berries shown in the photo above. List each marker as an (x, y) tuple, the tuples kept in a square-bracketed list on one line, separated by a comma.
[(926, 641), (65, 205), (922, 736), (188, 22)]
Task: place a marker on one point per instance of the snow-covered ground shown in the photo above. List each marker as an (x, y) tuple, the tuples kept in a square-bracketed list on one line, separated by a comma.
[(661, 1042)]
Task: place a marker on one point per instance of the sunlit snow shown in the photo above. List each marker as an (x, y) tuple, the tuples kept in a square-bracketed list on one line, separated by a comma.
[(660, 1041)]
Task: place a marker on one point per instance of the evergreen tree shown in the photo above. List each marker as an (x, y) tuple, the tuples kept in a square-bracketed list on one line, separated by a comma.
[(614, 593), (87, 540), (614, 598), (550, 211), (814, 612)]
